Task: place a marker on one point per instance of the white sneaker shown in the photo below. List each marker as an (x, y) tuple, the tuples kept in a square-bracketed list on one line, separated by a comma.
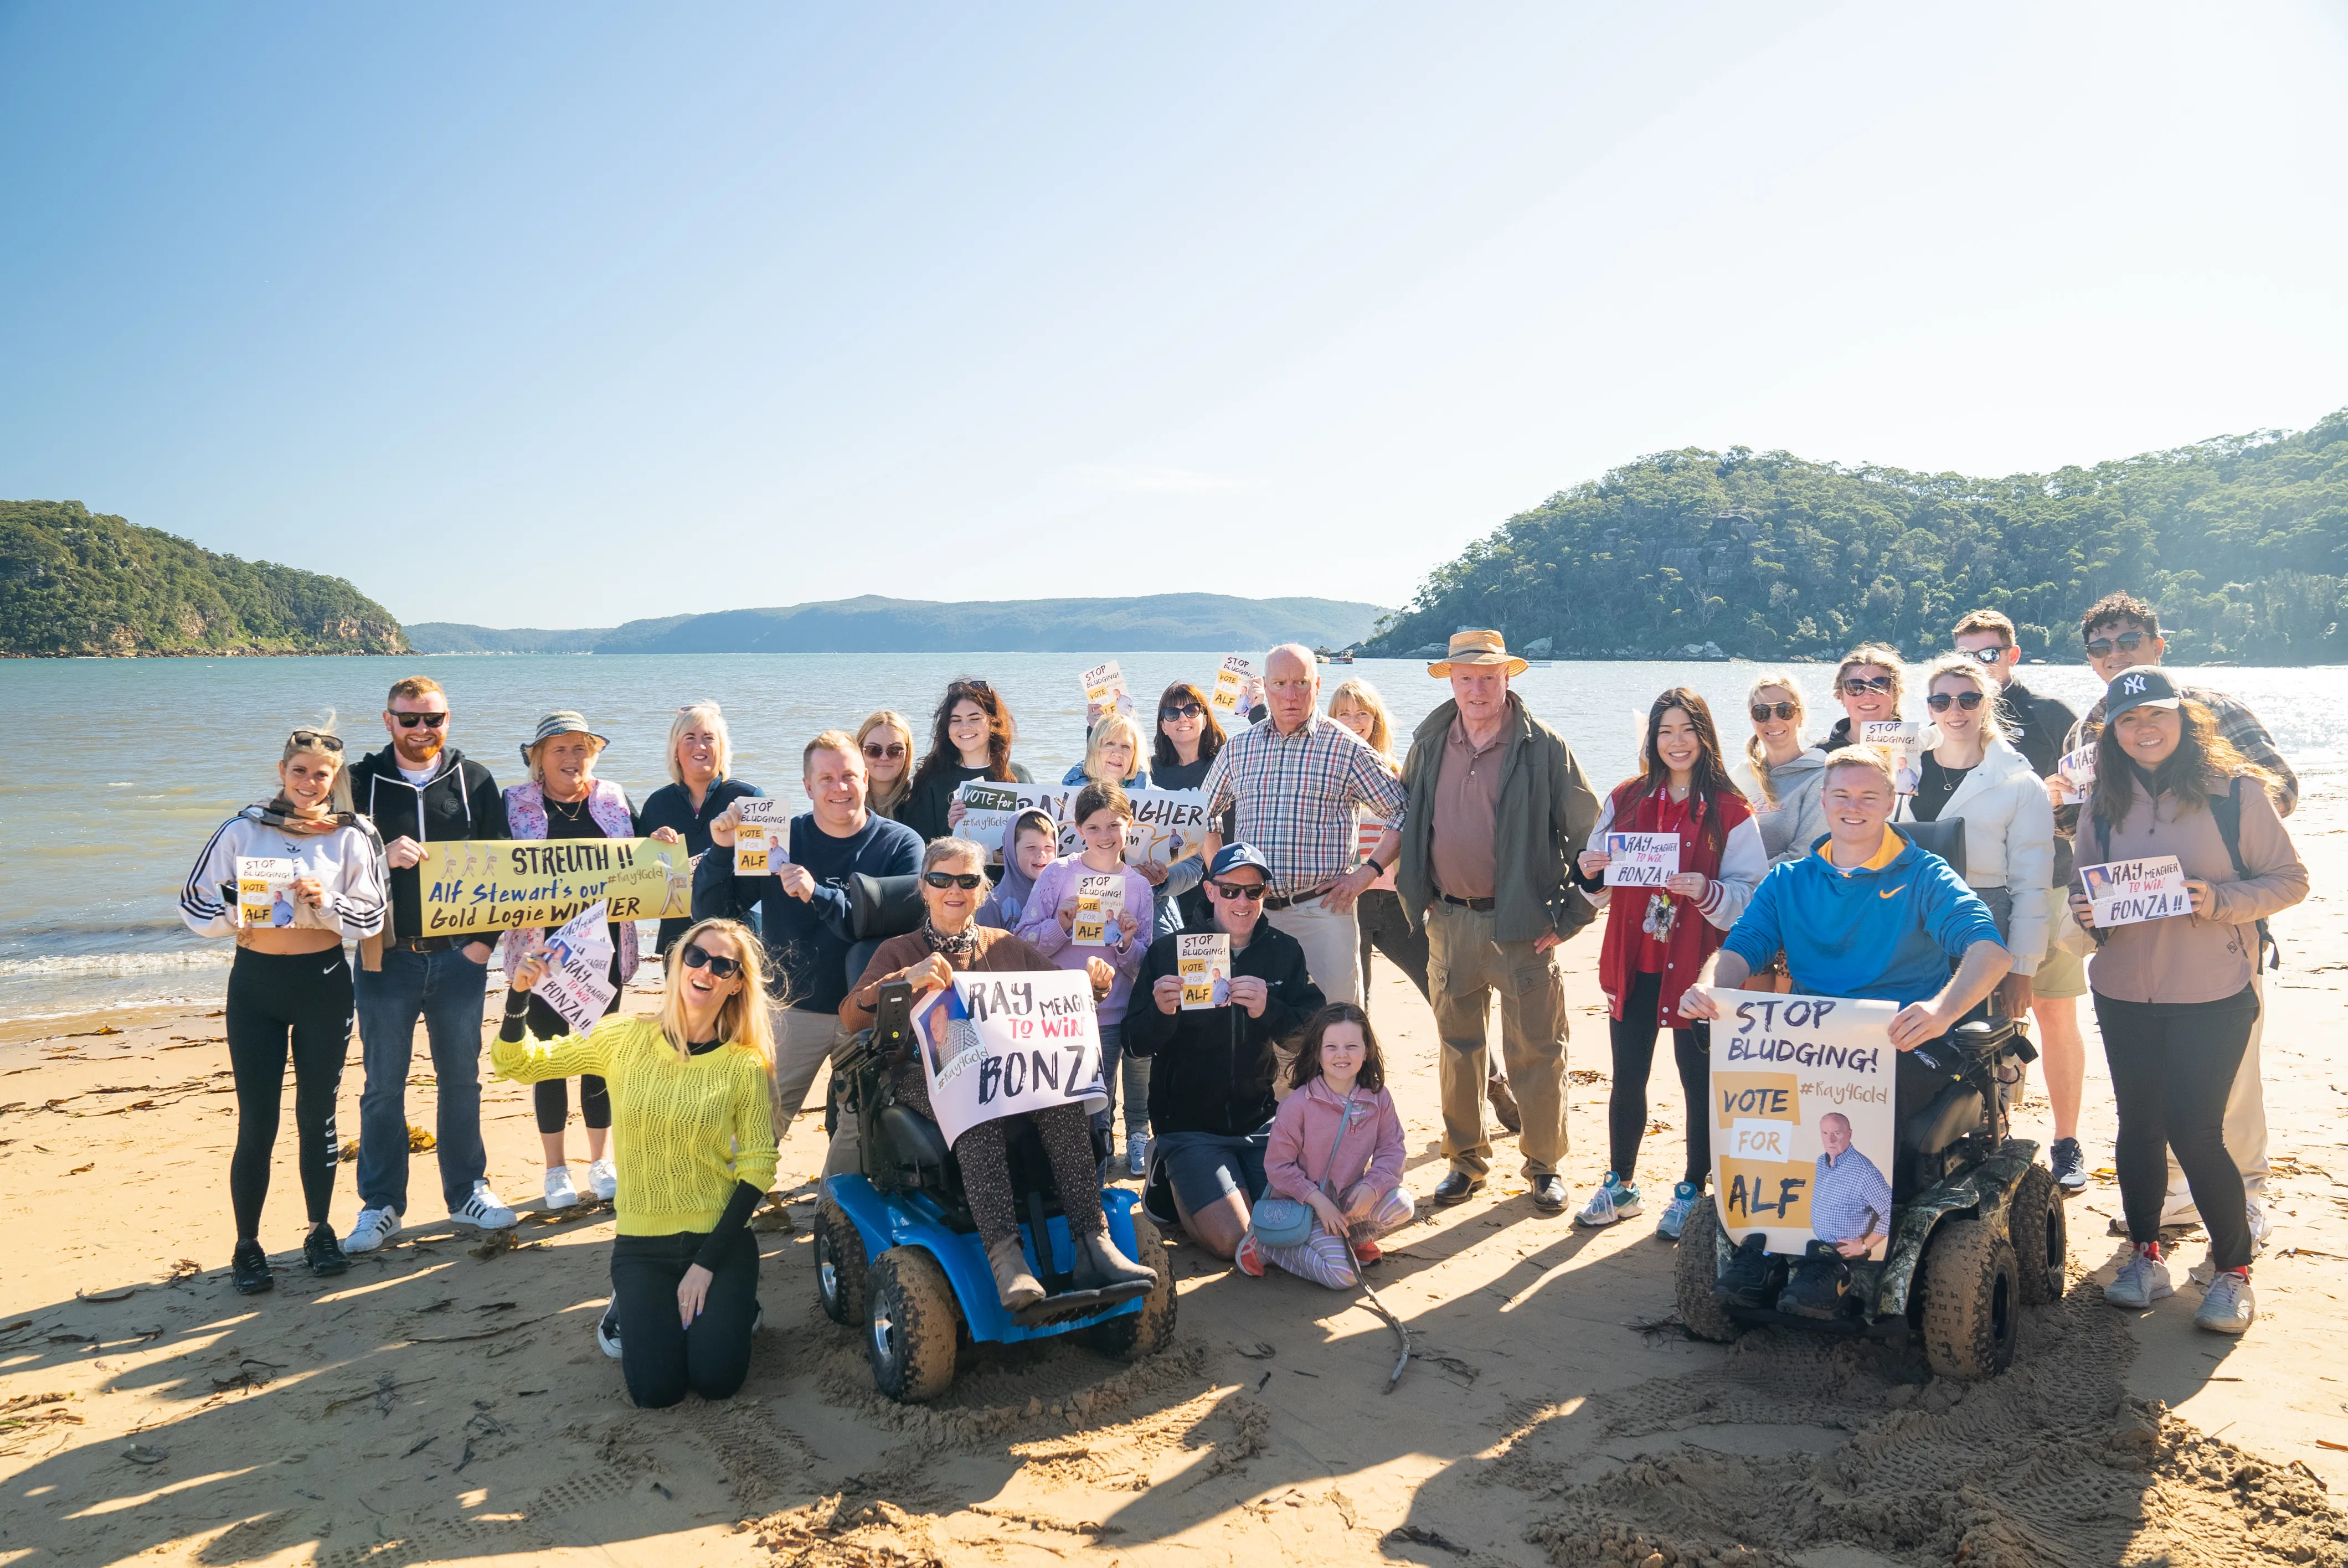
[(607, 1329), (2260, 1229), (2230, 1307), (483, 1211), (2143, 1280), (602, 1180), (560, 1193), (375, 1227)]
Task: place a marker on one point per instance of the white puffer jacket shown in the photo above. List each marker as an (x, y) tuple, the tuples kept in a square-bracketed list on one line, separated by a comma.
[(2009, 844)]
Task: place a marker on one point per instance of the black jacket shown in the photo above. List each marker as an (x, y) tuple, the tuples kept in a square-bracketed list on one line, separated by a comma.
[(1214, 1066), (2036, 726), (461, 801)]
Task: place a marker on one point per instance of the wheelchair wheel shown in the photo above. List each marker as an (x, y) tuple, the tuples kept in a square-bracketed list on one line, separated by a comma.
[(839, 1264), (1694, 1269), (1142, 1333), (1973, 1300), (2042, 1238), (912, 1325)]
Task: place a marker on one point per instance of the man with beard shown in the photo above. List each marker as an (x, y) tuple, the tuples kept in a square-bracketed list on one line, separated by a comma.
[(420, 790)]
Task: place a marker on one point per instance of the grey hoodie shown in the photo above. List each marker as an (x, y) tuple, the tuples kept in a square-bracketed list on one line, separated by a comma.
[(1004, 906), (1788, 833)]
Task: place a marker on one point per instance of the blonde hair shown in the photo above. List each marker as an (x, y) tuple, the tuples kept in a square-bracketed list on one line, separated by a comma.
[(838, 741), (1755, 751), (886, 801), (338, 798), (710, 717), (1112, 726), (742, 1017), (1884, 657), (1874, 759), (537, 754), (1356, 692), (1966, 666)]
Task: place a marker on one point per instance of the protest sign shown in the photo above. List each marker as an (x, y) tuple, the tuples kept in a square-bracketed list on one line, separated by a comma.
[(988, 808), (1168, 823), (1236, 687), (264, 893), (472, 886), (578, 982), (1642, 859), (762, 836), (1802, 1120), (1008, 1044), (1900, 739), (2130, 892), (1100, 899), (2076, 770), (1104, 693), (1203, 962)]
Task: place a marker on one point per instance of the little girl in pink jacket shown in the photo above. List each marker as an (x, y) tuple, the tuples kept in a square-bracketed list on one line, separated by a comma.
[(1336, 1147)]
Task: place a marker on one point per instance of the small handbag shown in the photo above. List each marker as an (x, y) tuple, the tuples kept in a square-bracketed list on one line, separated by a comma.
[(1285, 1222)]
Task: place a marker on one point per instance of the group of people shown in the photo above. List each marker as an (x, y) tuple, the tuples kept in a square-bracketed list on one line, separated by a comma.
[(1467, 861)]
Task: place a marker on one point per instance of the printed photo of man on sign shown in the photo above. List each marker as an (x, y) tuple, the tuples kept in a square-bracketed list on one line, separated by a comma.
[(1003, 1043)]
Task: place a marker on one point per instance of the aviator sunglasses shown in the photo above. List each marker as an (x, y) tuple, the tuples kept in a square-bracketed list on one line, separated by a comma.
[(430, 721), (968, 881), (1939, 700), (1857, 686), (2127, 641), (1249, 890), (879, 753), (1990, 655), (1762, 711), (698, 958)]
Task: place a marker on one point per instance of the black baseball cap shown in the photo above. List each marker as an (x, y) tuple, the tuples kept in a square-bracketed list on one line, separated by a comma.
[(2147, 687)]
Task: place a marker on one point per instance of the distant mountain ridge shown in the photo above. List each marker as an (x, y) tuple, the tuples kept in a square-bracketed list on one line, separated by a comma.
[(74, 582), (1169, 622)]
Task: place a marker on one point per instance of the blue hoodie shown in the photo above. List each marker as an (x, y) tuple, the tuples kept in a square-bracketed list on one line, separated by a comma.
[(1886, 930)]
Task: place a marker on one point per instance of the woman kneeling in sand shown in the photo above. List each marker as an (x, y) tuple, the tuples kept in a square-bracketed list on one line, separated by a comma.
[(694, 1147)]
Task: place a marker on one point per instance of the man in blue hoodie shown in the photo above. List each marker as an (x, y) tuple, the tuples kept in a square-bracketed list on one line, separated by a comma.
[(1866, 915)]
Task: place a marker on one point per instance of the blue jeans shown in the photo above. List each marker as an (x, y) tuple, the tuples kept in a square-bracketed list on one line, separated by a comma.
[(446, 989)]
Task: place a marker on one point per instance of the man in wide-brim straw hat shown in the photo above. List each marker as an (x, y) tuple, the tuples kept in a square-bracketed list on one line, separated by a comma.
[(1497, 811)]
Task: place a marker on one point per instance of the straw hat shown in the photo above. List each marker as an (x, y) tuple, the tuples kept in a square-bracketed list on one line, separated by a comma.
[(1477, 648)]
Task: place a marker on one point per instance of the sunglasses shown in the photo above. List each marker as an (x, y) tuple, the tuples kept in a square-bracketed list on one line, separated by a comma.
[(2126, 642), (430, 721), (1180, 711), (1939, 700), (1857, 687), (968, 881), (318, 738), (1990, 655), (879, 753), (1762, 711), (1249, 890), (698, 958)]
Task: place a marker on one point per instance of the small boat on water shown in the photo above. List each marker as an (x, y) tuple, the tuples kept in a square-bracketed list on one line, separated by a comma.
[(1341, 656)]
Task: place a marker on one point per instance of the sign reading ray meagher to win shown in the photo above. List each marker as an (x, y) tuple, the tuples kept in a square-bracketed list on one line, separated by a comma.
[(474, 886), (1003, 1044), (1802, 1120)]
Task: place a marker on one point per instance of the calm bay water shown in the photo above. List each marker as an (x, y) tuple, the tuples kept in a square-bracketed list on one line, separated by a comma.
[(120, 769)]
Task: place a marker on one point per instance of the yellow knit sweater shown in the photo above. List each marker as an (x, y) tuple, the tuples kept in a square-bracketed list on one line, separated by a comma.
[(676, 1125)]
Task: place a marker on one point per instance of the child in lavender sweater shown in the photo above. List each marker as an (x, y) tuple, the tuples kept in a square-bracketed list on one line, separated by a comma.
[(1048, 922)]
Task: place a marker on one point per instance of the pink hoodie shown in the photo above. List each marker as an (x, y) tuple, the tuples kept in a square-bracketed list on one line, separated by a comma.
[(1306, 1124)]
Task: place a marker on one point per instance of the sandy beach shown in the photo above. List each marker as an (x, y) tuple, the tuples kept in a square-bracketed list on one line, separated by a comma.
[(444, 1403)]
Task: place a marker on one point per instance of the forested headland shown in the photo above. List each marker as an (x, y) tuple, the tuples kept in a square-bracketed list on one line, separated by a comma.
[(2241, 542), (72, 582)]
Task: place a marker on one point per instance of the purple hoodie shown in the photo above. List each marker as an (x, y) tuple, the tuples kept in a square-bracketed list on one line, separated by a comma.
[(1039, 924)]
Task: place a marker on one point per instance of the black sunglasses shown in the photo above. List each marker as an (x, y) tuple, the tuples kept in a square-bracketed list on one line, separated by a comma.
[(1860, 687), (697, 957), (878, 752), (2127, 641), (430, 721), (968, 881), (1237, 889), (1939, 700), (318, 738), (1180, 711), (1761, 711)]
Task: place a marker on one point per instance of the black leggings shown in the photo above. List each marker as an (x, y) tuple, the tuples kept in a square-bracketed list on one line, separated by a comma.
[(984, 1159), (552, 1097), (1634, 1037), (2173, 1064), (661, 1359), (281, 1003)]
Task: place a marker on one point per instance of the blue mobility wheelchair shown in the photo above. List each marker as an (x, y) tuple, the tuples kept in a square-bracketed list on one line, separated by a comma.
[(1977, 1225), (897, 1256)]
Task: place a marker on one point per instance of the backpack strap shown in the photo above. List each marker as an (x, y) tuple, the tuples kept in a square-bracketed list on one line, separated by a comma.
[(2227, 811)]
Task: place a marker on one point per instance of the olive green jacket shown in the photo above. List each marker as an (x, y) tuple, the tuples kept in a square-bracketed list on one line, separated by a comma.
[(1545, 812)]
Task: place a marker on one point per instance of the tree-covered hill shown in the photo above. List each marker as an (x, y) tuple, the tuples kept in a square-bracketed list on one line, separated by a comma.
[(71, 583), (2241, 542)]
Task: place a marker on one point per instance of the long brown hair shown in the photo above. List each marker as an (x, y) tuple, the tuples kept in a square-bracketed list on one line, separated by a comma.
[(1373, 1076), (1000, 731), (1708, 780), (1210, 732), (2203, 759)]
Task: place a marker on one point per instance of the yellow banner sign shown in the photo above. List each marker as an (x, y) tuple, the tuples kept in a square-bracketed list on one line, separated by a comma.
[(476, 886)]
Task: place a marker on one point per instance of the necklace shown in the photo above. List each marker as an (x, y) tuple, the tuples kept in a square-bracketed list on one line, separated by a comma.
[(569, 811)]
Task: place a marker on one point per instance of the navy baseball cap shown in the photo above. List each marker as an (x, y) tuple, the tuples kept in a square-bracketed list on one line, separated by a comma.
[(1232, 856), (2147, 687)]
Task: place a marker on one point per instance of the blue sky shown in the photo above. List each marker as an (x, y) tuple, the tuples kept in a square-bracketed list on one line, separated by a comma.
[(538, 315)]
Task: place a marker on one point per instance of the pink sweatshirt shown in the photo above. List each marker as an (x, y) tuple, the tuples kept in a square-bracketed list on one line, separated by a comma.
[(1039, 925), (1306, 1124)]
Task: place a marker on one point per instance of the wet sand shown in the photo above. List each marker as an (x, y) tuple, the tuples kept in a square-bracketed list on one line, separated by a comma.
[(438, 1405)]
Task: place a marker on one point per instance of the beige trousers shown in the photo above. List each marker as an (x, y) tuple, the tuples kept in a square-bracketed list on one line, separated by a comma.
[(803, 1044), (1464, 967)]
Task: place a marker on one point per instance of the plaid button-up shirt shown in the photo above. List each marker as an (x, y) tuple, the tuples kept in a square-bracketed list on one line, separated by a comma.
[(1295, 797), (2235, 721)]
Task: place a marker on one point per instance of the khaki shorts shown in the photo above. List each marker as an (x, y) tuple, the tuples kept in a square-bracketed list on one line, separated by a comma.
[(2060, 975)]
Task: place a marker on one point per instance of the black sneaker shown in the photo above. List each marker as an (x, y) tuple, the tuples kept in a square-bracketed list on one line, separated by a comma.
[(1752, 1279), (1817, 1286), (324, 1253), (2070, 1164), (248, 1269), (607, 1332)]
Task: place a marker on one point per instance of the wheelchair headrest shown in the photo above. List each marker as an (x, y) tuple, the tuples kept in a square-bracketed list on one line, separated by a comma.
[(882, 907), (1945, 838)]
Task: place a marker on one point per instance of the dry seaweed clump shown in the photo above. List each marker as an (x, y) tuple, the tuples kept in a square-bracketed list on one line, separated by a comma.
[(830, 1533)]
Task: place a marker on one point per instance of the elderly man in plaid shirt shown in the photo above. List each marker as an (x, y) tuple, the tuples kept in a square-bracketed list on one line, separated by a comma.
[(1295, 780), (2120, 631)]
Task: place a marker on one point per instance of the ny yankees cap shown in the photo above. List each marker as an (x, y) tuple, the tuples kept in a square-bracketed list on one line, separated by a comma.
[(2148, 687)]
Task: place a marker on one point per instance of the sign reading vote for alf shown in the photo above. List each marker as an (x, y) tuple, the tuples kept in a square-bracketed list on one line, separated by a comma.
[(473, 886), (2130, 892), (1007, 1044), (1802, 1133)]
